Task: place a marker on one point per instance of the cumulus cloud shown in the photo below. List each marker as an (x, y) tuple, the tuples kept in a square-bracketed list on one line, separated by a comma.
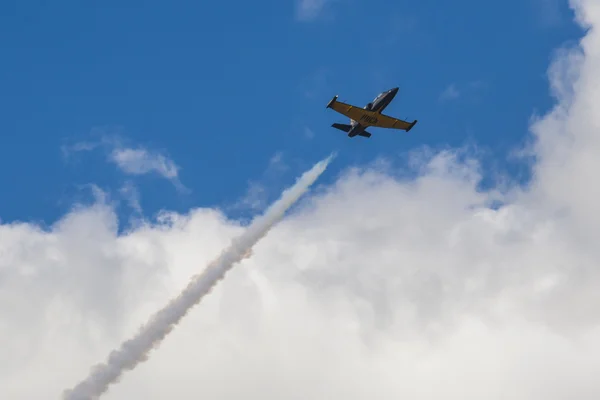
[(136, 350), (380, 286)]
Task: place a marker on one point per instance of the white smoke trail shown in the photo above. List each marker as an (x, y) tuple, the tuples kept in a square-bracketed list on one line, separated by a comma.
[(136, 350)]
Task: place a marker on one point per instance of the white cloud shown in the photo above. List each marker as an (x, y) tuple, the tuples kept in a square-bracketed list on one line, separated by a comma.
[(141, 161), (454, 91), (130, 160), (308, 133), (309, 10), (451, 92), (132, 195), (379, 287), (77, 147), (277, 164), (258, 192), (255, 197)]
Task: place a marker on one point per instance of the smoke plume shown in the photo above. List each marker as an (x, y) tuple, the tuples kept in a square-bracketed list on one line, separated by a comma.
[(136, 350)]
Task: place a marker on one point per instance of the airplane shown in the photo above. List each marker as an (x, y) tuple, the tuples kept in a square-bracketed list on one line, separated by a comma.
[(370, 115)]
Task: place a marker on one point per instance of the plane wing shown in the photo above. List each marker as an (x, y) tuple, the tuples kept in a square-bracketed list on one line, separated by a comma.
[(384, 121), (350, 111), (369, 118)]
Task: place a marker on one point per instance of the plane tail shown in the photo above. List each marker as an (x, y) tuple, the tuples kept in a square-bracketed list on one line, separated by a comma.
[(342, 127), (348, 128), (362, 133)]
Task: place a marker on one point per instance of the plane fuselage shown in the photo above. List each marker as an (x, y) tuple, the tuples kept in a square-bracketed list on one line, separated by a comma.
[(378, 104)]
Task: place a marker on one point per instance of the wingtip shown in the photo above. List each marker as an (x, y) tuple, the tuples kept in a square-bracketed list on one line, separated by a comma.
[(411, 125), (332, 101)]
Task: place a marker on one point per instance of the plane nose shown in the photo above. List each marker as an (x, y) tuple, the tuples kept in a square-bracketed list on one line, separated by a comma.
[(394, 90)]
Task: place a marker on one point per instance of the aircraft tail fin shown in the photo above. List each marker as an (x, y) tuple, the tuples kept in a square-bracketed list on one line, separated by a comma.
[(342, 127)]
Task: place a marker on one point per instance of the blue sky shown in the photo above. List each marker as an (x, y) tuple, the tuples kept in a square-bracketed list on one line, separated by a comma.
[(224, 99)]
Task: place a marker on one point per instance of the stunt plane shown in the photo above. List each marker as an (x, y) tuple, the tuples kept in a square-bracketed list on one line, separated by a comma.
[(370, 115)]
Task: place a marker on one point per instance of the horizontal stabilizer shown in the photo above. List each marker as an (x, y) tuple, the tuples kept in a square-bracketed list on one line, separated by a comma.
[(342, 127), (361, 133)]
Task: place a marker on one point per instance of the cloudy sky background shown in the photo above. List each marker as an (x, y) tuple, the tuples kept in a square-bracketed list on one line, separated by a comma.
[(397, 277)]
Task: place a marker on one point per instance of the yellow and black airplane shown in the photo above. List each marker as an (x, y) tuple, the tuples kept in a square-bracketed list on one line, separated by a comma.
[(370, 115)]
